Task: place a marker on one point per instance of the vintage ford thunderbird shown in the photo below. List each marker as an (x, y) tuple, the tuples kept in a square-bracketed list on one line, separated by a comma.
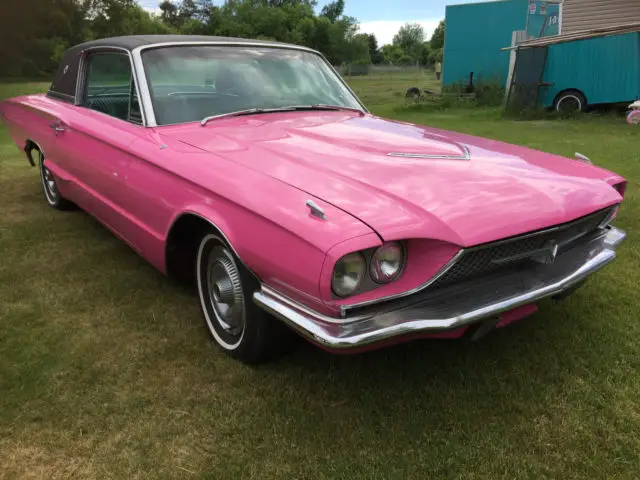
[(252, 169)]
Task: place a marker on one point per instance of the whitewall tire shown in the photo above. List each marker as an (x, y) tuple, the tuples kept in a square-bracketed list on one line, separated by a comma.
[(225, 290), (570, 101)]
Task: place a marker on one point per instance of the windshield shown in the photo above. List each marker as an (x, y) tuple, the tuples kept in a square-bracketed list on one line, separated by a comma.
[(189, 83)]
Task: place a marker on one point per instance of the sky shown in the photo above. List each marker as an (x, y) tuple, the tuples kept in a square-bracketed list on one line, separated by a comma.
[(381, 17)]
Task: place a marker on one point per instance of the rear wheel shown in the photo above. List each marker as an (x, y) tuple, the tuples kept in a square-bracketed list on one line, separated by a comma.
[(225, 289), (50, 188), (571, 101)]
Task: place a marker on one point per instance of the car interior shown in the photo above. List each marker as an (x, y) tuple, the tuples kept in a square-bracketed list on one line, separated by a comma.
[(225, 92), (181, 96), (110, 88)]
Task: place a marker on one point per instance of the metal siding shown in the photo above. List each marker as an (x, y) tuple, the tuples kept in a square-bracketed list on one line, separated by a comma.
[(580, 15), (604, 69), (476, 33)]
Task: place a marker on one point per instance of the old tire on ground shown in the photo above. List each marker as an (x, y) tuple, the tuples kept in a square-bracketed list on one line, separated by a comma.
[(414, 93), (570, 101), (225, 289), (50, 188)]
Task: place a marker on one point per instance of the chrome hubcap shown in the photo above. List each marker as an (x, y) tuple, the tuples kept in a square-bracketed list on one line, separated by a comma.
[(225, 291), (48, 183)]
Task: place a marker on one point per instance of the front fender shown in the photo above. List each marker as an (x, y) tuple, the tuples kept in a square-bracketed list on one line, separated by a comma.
[(285, 258)]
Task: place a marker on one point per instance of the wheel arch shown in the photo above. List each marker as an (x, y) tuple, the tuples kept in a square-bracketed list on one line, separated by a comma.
[(29, 146), (182, 241)]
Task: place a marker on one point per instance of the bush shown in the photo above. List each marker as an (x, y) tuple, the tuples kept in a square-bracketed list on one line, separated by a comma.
[(487, 94)]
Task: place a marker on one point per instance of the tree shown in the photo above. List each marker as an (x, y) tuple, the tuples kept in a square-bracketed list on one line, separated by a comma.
[(424, 55), (437, 43), (108, 18), (188, 9), (34, 34), (374, 50), (169, 13), (411, 38), (358, 49), (437, 39), (409, 35), (392, 54), (333, 11), (436, 56)]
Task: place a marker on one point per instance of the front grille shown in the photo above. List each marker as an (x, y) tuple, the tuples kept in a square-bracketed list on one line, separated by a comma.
[(516, 252)]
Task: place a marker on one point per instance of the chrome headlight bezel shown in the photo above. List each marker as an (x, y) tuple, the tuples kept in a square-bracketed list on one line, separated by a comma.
[(389, 255), (373, 276)]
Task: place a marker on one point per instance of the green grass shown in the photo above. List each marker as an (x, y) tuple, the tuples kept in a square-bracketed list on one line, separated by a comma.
[(106, 369), (390, 88)]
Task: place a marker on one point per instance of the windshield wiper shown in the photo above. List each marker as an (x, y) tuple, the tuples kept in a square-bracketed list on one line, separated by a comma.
[(292, 108), (248, 111), (324, 106)]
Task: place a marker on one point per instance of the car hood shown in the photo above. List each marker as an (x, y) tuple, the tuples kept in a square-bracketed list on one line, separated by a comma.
[(407, 181)]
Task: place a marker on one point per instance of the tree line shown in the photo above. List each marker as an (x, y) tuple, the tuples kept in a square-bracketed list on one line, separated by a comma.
[(34, 34)]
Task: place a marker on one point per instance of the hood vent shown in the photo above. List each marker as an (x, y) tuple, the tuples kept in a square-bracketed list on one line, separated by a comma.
[(465, 155)]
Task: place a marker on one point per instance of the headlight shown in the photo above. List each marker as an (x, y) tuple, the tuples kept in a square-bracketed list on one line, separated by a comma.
[(387, 263), (348, 274)]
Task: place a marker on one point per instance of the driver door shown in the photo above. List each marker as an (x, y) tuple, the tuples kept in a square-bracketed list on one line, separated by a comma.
[(97, 136)]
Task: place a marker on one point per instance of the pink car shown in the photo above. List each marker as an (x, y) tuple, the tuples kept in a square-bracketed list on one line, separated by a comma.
[(251, 169)]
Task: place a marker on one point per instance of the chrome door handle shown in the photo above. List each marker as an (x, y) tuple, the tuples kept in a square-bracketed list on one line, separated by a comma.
[(57, 127)]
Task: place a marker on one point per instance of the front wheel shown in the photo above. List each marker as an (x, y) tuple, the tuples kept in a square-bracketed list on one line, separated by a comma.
[(225, 288)]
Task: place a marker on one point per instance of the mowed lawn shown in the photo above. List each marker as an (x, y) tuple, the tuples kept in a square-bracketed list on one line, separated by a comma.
[(107, 371)]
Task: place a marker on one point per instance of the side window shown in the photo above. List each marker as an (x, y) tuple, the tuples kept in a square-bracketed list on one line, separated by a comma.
[(110, 87)]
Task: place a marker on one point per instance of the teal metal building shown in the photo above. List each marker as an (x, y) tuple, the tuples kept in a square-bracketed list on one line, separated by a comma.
[(580, 70), (522, 45), (477, 33)]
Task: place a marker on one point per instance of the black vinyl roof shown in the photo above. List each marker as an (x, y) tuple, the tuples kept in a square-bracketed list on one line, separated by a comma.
[(64, 81)]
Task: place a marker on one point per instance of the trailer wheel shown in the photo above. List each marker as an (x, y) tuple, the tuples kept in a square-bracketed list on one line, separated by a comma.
[(570, 101)]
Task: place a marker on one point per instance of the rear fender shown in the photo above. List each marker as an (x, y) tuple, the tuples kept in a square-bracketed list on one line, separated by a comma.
[(28, 124)]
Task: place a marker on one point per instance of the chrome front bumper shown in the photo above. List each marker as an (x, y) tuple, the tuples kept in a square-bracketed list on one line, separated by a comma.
[(452, 308)]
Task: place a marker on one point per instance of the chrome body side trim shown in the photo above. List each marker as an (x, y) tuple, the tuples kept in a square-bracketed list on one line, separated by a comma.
[(451, 308), (144, 93)]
